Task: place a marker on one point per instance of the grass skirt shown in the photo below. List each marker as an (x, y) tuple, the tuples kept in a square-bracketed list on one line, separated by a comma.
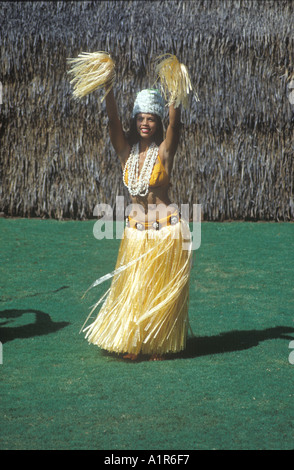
[(146, 307)]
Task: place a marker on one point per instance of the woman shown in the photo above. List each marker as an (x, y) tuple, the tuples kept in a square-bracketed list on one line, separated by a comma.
[(146, 308)]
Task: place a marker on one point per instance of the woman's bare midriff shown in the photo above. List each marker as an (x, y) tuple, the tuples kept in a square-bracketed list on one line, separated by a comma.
[(156, 206)]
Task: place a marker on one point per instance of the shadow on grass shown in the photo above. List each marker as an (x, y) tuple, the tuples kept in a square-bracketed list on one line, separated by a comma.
[(232, 341), (223, 343), (43, 325)]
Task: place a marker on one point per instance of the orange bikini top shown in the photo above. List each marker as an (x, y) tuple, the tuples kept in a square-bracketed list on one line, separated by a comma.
[(159, 176)]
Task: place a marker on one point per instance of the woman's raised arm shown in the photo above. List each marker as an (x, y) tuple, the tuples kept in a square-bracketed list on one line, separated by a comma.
[(116, 132), (170, 144)]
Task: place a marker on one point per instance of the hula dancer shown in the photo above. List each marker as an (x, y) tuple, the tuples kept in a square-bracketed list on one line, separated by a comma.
[(145, 311)]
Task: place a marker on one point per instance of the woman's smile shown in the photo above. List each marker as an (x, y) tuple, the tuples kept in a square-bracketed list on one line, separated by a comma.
[(145, 130)]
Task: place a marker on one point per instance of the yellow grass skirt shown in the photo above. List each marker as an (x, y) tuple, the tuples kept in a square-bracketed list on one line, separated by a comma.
[(145, 309)]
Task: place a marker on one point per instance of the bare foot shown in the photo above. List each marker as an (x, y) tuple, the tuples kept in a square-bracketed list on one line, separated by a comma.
[(156, 357), (133, 357)]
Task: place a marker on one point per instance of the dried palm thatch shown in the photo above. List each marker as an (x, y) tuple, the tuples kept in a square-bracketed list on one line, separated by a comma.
[(236, 155)]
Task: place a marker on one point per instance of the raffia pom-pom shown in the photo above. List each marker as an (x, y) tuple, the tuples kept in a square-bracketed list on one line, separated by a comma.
[(91, 71), (174, 79)]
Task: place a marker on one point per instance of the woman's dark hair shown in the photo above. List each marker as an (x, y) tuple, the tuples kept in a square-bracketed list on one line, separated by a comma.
[(133, 135)]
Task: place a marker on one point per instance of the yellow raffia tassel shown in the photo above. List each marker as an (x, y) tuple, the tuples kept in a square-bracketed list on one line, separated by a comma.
[(92, 70), (174, 79)]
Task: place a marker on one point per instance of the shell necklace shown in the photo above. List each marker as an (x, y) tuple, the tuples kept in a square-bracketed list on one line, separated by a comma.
[(139, 185)]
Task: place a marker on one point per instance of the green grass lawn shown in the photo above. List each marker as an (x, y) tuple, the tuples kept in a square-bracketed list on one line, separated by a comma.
[(231, 389)]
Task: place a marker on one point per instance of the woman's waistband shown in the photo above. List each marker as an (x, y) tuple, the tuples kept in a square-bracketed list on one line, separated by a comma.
[(172, 219)]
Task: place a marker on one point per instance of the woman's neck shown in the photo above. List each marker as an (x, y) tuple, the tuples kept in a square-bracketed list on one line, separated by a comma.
[(144, 145)]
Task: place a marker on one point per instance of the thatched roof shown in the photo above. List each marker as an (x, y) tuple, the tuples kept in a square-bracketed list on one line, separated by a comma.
[(236, 152)]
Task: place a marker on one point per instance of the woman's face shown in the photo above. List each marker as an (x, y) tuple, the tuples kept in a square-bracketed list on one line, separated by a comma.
[(146, 125)]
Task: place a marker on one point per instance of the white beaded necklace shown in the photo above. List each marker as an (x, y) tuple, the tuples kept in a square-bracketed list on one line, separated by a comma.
[(139, 185)]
